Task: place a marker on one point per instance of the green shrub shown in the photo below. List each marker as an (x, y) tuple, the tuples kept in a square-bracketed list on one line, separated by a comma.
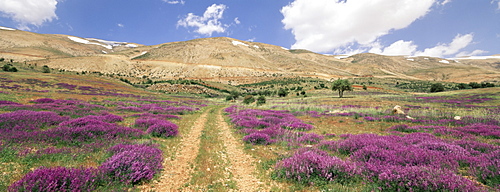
[(248, 99)]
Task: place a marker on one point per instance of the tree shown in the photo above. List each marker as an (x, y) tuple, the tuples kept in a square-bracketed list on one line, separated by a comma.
[(282, 93), (261, 100), (341, 85), (45, 69), (233, 95), (6, 67), (463, 86), (248, 99), (364, 87), (437, 87), (474, 85)]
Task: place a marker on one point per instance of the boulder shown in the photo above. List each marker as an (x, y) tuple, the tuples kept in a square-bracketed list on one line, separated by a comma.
[(397, 110)]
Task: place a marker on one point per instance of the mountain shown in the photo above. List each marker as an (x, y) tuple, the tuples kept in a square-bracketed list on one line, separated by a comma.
[(226, 60)]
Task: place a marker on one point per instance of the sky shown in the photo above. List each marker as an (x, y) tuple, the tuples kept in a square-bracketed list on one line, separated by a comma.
[(438, 28)]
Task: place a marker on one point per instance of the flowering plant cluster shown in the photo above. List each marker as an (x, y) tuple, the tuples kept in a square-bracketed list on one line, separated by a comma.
[(260, 119), (157, 127), (132, 163), (128, 164), (24, 120), (58, 179), (268, 126), (420, 161), (312, 165), (470, 131)]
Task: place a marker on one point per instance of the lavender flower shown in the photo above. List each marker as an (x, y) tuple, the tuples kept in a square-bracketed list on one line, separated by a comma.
[(58, 179), (133, 163)]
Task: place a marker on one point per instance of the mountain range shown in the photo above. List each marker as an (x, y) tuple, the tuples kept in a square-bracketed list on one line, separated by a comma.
[(229, 60)]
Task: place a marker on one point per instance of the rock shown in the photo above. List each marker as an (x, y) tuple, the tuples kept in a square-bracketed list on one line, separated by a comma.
[(458, 118), (397, 110)]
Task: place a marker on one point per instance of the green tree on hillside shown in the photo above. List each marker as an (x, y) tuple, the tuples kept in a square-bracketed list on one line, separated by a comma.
[(248, 99), (261, 100), (341, 85), (45, 69), (437, 87), (233, 95), (282, 93)]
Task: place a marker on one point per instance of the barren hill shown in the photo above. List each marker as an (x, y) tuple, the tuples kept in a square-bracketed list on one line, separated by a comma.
[(228, 60)]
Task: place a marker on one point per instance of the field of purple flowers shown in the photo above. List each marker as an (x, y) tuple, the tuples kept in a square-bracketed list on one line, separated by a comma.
[(75, 133), (441, 143), (49, 144)]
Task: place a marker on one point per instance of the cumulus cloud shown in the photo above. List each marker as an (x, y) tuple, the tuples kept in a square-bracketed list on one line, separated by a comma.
[(208, 23), (325, 25), (445, 1), (441, 50), (174, 2), (120, 25), (397, 48), (29, 12)]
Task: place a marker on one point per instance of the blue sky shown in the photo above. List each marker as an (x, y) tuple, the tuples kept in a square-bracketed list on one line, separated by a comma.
[(441, 28)]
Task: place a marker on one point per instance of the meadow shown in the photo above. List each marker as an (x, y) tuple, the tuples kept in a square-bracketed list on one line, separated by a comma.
[(66, 132)]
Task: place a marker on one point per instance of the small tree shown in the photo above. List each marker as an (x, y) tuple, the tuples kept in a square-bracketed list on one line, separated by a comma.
[(45, 69), (6, 67), (233, 95), (364, 87), (248, 99), (261, 100), (437, 87), (341, 85), (282, 93)]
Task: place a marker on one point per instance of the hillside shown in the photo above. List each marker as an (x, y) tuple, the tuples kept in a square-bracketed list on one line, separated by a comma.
[(228, 60)]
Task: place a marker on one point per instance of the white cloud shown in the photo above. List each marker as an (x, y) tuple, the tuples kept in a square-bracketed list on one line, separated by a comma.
[(397, 48), (445, 1), (473, 53), (29, 12), (237, 21), (441, 50), (120, 25), (327, 25), (182, 2), (208, 23)]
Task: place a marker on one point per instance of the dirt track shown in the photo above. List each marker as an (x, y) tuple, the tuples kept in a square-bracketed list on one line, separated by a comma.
[(179, 171)]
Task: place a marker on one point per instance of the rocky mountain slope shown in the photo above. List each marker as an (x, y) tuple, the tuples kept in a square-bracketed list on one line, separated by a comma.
[(229, 60)]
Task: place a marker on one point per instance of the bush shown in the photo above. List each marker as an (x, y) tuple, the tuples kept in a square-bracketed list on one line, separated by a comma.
[(282, 93), (23, 120), (416, 178), (437, 87), (261, 100), (58, 179), (132, 164), (248, 99), (9, 68), (163, 129), (312, 165), (258, 139), (45, 69)]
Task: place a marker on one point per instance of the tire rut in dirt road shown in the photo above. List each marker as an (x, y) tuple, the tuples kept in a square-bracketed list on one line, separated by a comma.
[(242, 164), (178, 171)]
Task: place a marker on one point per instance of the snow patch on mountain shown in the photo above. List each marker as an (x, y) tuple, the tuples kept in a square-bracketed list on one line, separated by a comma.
[(6, 28), (236, 43)]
